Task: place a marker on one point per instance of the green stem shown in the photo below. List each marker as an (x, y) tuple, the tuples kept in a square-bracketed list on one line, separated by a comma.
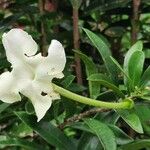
[(126, 104)]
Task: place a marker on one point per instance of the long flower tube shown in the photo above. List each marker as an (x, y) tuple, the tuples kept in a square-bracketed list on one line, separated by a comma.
[(125, 104)]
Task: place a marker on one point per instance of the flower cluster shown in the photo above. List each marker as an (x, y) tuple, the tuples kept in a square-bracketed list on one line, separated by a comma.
[(31, 73)]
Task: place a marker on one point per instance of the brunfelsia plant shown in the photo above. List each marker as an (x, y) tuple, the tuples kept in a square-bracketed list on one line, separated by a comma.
[(32, 73)]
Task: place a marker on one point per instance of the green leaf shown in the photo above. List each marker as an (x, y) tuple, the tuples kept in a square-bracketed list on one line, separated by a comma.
[(105, 81), (131, 119), (3, 107), (102, 6), (121, 69), (89, 142), (81, 126), (76, 3), (143, 112), (91, 68), (137, 145), (103, 132), (145, 78), (105, 52), (21, 130), (47, 131), (29, 108), (8, 141), (138, 46), (116, 31), (67, 81), (135, 66), (121, 137)]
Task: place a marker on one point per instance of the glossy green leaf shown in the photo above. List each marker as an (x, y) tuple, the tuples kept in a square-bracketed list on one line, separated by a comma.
[(138, 46), (29, 108), (67, 81), (130, 117), (91, 68), (143, 112), (9, 141), (105, 52), (22, 130), (103, 132), (116, 31), (3, 107), (81, 126), (102, 6), (147, 98), (121, 137), (89, 142), (105, 81), (135, 66), (145, 78), (137, 145), (47, 131), (121, 69)]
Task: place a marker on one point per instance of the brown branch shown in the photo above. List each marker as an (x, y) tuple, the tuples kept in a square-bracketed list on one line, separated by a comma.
[(5, 3), (80, 116), (43, 33), (135, 20), (76, 37)]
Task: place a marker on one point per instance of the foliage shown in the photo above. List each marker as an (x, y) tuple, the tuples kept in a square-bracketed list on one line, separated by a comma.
[(112, 68)]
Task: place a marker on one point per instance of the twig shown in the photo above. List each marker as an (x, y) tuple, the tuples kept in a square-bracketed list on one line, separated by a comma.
[(135, 20), (5, 3), (43, 34), (76, 38), (80, 116)]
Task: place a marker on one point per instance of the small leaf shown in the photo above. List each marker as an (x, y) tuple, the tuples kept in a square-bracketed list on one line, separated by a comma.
[(3, 107), (138, 46), (131, 119), (121, 137), (91, 68), (22, 130), (145, 78), (103, 132), (105, 81), (29, 107), (121, 69), (8, 141), (143, 112), (47, 131), (135, 66), (105, 52), (104, 6), (116, 31), (67, 81), (137, 145), (89, 142)]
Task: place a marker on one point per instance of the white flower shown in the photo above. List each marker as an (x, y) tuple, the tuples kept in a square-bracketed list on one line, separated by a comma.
[(31, 73)]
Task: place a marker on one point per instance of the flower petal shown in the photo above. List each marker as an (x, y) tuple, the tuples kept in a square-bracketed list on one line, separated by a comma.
[(46, 88), (56, 57), (41, 101), (41, 105), (8, 90), (18, 44), (54, 63), (23, 74)]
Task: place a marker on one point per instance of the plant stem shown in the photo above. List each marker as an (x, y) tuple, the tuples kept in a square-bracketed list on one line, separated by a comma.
[(135, 20), (76, 38), (82, 115), (43, 33), (126, 104)]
